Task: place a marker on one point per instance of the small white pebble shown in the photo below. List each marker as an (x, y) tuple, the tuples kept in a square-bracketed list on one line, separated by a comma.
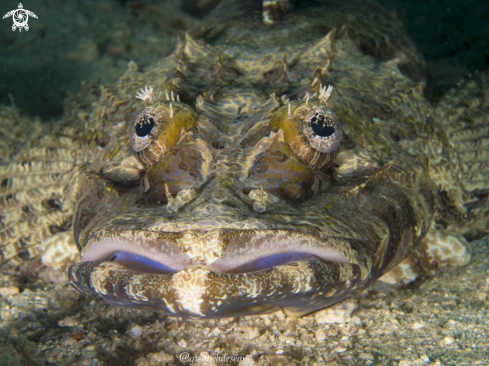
[(70, 322), (365, 356), (251, 332), (136, 331), (356, 321), (85, 362), (394, 322), (182, 343), (320, 335), (266, 319), (447, 341), (424, 359), (417, 326), (338, 313), (280, 315), (8, 291)]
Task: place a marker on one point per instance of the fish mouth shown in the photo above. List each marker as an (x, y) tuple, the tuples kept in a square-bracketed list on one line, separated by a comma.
[(218, 273)]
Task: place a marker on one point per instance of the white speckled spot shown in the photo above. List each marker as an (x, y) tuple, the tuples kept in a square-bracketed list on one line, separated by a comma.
[(190, 287)]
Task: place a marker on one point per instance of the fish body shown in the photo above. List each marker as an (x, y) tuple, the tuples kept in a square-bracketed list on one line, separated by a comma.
[(256, 168)]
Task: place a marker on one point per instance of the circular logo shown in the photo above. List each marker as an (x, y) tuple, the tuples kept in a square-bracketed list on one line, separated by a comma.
[(20, 18)]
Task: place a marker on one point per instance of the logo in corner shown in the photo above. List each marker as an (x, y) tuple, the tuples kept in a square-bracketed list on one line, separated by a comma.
[(20, 17)]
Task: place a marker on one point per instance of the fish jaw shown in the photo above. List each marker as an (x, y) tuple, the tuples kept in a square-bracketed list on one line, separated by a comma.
[(299, 272)]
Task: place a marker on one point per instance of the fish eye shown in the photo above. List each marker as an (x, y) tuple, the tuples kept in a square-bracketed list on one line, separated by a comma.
[(320, 125), (142, 129), (322, 128), (145, 125)]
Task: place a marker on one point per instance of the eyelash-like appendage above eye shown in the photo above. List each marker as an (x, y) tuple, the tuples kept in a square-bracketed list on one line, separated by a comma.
[(143, 129), (154, 131), (323, 129)]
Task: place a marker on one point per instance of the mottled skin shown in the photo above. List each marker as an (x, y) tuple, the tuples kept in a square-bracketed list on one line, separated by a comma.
[(226, 173)]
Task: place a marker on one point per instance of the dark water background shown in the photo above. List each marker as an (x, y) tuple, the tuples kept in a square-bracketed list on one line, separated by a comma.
[(77, 40)]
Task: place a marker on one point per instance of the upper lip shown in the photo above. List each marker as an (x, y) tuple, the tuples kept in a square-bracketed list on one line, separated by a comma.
[(218, 250)]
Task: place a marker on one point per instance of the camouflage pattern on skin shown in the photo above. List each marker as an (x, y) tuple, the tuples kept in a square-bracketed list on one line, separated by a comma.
[(203, 187)]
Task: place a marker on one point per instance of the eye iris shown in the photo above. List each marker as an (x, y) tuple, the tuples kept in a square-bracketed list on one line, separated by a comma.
[(144, 126), (321, 125)]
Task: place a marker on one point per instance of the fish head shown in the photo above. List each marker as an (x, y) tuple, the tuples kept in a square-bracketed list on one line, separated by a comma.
[(242, 187)]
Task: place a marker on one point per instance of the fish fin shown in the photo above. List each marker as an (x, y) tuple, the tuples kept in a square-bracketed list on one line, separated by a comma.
[(465, 113), (37, 194), (437, 249)]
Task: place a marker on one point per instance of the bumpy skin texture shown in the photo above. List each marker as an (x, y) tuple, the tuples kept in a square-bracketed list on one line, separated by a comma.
[(222, 188)]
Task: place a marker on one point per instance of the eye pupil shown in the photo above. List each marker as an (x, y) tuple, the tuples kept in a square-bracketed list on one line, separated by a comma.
[(144, 126), (319, 125)]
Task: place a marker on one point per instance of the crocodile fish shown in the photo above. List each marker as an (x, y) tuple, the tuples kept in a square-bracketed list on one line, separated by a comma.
[(258, 167)]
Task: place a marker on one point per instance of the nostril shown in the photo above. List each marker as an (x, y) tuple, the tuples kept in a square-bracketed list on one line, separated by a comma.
[(139, 263)]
